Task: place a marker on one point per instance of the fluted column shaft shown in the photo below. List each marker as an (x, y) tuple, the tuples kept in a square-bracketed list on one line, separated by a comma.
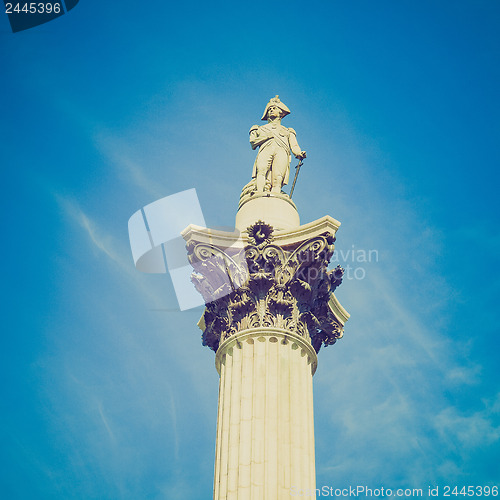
[(265, 428)]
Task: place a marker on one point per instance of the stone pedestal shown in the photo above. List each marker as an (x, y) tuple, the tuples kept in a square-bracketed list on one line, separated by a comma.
[(269, 308), (277, 210)]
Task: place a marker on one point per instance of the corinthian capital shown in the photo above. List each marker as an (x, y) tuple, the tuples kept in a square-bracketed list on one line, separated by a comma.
[(268, 279)]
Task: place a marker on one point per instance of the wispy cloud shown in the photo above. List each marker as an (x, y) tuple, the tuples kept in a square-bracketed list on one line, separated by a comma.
[(465, 430), (117, 251), (387, 397), (120, 153), (105, 422), (125, 377)]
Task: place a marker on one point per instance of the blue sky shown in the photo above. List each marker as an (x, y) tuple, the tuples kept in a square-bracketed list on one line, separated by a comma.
[(107, 391)]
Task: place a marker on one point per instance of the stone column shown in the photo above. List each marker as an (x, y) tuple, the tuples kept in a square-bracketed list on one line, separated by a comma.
[(269, 308), (265, 430)]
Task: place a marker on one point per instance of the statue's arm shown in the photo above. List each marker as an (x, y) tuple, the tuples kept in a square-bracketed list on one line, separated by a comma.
[(257, 138), (294, 145)]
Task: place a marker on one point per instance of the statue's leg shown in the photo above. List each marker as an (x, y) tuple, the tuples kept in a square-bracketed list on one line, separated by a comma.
[(280, 165), (264, 162), (277, 184), (268, 181)]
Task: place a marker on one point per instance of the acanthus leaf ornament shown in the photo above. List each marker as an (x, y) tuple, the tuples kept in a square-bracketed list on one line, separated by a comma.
[(264, 285)]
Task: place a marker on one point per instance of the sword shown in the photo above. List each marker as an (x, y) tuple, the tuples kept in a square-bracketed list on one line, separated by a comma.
[(297, 168)]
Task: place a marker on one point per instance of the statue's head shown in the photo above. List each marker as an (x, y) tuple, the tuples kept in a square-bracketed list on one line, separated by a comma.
[(275, 102)]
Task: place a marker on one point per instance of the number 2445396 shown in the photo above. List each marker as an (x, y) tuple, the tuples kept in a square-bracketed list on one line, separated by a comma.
[(33, 8)]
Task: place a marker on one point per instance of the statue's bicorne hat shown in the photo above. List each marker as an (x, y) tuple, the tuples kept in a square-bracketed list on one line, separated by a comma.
[(275, 101)]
